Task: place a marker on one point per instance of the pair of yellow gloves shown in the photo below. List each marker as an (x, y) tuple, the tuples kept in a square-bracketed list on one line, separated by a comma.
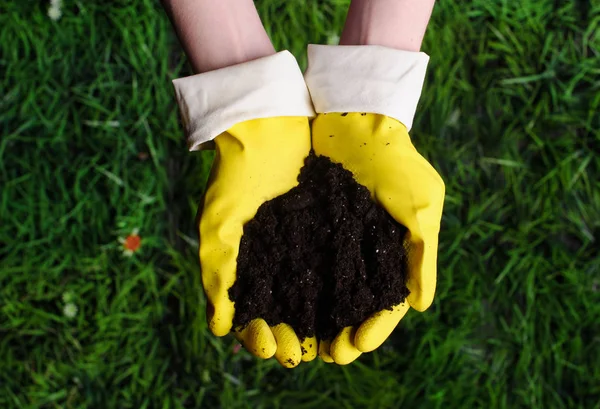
[(260, 159)]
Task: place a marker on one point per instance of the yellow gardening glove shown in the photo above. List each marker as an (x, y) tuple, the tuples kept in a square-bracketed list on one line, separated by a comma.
[(256, 161), (378, 151)]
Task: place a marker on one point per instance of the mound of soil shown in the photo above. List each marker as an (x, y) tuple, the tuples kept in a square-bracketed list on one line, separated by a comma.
[(321, 257)]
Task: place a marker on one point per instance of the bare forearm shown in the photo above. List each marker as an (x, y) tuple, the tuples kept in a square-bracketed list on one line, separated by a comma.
[(218, 33), (397, 24)]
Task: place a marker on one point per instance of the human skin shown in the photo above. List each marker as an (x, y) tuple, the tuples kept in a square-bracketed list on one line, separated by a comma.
[(218, 33), (398, 24)]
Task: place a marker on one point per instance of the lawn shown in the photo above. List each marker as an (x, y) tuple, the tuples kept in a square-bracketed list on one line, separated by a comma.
[(91, 149)]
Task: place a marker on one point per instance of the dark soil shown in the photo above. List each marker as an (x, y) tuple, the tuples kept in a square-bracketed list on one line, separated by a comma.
[(321, 257)]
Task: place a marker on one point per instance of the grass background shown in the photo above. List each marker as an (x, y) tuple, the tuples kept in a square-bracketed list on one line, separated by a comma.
[(91, 148)]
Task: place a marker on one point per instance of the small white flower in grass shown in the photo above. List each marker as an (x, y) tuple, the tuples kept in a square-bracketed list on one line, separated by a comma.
[(333, 39), (70, 310), (55, 12)]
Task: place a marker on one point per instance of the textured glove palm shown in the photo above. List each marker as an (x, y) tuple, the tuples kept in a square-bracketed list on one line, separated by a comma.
[(256, 161), (378, 151)]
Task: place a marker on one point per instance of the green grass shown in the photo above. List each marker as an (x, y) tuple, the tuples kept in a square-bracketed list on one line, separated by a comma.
[(510, 116)]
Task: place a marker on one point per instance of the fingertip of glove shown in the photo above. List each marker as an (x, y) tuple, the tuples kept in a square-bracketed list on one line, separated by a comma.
[(289, 363), (258, 339), (376, 329), (309, 348), (220, 317), (219, 329), (265, 352), (288, 352), (324, 347), (418, 299), (342, 348), (364, 343)]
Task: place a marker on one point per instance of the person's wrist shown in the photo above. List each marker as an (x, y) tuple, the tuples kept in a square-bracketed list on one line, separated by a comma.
[(398, 24), (369, 34), (219, 33)]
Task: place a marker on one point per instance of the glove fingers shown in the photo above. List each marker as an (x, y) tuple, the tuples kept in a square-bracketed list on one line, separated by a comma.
[(258, 339), (219, 316), (288, 351), (324, 347), (377, 328), (342, 348), (309, 348), (422, 265)]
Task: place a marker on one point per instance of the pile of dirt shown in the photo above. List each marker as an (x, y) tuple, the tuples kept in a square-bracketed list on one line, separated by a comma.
[(321, 257)]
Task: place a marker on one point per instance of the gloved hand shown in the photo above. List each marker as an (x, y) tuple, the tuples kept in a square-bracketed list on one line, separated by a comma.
[(256, 161), (256, 115), (378, 151), (366, 97)]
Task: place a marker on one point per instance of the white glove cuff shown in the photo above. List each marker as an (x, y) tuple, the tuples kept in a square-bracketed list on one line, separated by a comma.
[(210, 103), (371, 79)]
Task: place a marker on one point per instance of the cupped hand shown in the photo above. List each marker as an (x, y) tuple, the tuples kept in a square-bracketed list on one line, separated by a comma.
[(378, 151), (255, 161)]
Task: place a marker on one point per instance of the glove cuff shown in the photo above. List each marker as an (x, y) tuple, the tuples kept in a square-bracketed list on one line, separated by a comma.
[(210, 103), (372, 79)]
